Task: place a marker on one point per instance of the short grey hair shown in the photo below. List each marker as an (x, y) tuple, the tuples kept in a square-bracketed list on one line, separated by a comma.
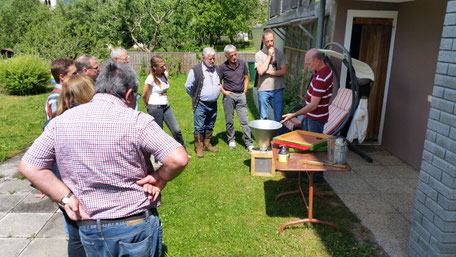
[(116, 52), (208, 51), (229, 49), (116, 78), (82, 62)]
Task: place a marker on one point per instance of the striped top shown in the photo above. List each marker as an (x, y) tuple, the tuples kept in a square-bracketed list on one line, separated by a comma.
[(102, 148), (320, 86), (52, 101)]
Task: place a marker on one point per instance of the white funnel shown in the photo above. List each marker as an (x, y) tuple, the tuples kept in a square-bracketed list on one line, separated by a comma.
[(263, 131)]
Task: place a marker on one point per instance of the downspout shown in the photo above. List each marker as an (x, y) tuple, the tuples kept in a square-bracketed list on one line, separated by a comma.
[(321, 23)]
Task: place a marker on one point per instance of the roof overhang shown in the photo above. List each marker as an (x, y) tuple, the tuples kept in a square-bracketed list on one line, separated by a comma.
[(295, 22)]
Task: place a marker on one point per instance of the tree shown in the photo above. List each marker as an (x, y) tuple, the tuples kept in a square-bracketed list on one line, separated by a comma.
[(216, 18), (142, 20)]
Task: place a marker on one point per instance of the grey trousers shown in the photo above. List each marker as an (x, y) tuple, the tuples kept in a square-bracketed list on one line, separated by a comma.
[(236, 101), (164, 113)]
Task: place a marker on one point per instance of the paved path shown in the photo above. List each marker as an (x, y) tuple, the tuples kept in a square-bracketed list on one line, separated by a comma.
[(381, 194)]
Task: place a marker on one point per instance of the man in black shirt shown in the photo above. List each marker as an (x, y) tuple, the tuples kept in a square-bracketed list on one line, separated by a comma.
[(234, 88)]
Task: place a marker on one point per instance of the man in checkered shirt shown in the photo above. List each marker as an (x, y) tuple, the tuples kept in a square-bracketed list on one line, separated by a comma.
[(103, 151)]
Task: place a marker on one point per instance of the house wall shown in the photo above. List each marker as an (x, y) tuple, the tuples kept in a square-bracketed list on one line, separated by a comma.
[(418, 33), (433, 227)]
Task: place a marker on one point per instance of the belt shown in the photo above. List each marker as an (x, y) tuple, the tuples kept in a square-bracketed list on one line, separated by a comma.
[(238, 92), (131, 218)]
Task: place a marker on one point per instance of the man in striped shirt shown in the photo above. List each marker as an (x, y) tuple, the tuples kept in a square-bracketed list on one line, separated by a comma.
[(60, 69), (103, 151), (318, 95)]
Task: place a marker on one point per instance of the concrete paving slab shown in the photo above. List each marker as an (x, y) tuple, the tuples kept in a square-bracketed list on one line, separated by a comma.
[(16, 185), (46, 247), (12, 246), (400, 202), (2, 214), (404, 171), (366, 203), (350, 187), (9, 201), (387, 159), (388, 186), (23, 225), (54, 228), (356, 160), (373, 172), (390, 230), (35, 205), (9, 167), (341, 175), (410, 184)]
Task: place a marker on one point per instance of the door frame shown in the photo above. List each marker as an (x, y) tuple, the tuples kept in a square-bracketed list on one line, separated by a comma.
[(351, 14)]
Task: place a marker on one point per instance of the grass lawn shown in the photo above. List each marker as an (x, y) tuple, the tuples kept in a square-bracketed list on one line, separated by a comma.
[(215, 207)]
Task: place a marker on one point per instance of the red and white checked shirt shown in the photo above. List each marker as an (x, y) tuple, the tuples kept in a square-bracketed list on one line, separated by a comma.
[(102, 148), (320, 86)]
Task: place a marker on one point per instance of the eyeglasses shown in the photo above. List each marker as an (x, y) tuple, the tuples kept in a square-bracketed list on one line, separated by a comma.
[(124, 59)]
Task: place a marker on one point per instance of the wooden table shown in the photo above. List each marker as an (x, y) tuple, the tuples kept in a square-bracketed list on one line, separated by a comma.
[(294, 164)]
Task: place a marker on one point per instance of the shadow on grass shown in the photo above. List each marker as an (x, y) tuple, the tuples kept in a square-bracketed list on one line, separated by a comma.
[(164, 250), (251, 104), (286, 206)]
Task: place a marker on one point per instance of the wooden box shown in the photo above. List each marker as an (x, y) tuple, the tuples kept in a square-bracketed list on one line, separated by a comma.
[(262, 164)]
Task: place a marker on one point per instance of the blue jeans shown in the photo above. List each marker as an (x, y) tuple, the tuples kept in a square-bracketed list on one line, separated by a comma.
[(164, 113), (317, 127), (204, 116), (75, 247), (123, 238), (276, 98)]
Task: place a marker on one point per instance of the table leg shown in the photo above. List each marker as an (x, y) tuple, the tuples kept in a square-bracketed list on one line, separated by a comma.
[(310, 218), (300, 190)]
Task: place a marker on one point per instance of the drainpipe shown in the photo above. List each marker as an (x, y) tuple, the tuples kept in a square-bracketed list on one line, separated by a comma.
[(321, 22)]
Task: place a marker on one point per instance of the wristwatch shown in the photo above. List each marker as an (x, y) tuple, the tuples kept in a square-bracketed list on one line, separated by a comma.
[(65, 199)]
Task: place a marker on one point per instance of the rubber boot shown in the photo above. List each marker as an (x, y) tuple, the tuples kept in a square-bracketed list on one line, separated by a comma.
[(199, 145), (207, 141)]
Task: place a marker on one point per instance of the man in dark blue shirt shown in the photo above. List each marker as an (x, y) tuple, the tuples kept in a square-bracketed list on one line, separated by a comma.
[(234, 88)]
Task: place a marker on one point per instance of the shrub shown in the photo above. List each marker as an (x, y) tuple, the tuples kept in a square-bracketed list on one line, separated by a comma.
[(24, 75)]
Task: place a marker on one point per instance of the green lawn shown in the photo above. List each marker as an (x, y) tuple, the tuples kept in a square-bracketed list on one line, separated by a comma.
[(215, 208)]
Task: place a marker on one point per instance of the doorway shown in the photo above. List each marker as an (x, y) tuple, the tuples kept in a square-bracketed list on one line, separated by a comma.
[(369, 36)]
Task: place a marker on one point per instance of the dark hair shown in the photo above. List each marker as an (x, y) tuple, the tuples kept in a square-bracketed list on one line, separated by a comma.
[(116, 78), (60, 66), (154, 61)]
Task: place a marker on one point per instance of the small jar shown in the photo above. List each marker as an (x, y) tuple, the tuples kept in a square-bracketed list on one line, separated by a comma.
[(284, 154)]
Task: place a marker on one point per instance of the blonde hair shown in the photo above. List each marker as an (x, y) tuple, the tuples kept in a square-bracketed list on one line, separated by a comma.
[(76, 89), (154, 61)]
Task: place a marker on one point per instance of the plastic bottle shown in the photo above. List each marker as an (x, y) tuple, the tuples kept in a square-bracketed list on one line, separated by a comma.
[(284, 154)]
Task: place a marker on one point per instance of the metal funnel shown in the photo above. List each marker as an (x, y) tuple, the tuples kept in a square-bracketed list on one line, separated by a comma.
[(263, 131)]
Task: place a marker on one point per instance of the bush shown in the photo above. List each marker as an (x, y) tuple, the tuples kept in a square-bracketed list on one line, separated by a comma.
[(24, 75)]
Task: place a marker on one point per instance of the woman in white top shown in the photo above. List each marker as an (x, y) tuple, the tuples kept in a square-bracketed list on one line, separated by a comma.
[(156, 99)]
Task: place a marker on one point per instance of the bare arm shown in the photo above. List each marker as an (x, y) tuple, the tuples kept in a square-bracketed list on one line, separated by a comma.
[(308, 108), (278, 73), (49, 184), (146, 93), (261, 69), (224, 92), (246, 84), (173, 165)]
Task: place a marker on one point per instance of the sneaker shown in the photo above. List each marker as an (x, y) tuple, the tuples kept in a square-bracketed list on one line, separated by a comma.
[(250, 148), (232, 145)]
